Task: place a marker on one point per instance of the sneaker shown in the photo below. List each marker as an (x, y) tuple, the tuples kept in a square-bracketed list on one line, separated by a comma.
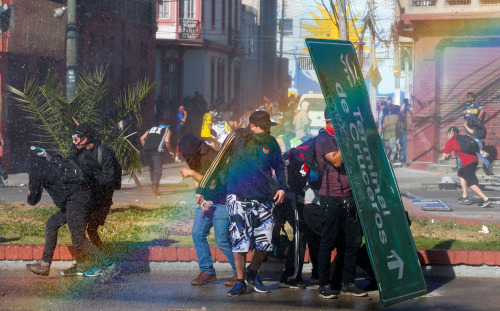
[(203, 278), (232, 281), (486, 203), (256, 283), (292, 284), (71, 271), (177, 160), (238, 289), (109, 273), (39, 267), (327, 292), (94, 272), (155, 190), (5, 175), (463, 200), (353, 290), (484, 154)]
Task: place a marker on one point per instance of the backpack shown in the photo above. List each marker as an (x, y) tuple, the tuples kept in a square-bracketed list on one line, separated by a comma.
[(302, 166), (467, 144), (478, 127), (69, 171), (117, 181)]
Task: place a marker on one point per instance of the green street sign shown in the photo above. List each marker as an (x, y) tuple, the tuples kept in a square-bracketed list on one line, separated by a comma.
[(381, 211)]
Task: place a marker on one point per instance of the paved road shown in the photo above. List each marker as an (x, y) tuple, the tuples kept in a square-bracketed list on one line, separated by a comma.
[(158, 290)]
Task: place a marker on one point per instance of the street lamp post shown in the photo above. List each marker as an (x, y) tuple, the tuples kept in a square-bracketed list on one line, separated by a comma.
[(71, 55)]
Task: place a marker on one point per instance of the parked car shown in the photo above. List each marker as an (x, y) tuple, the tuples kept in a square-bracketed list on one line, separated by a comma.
[(316, 112)]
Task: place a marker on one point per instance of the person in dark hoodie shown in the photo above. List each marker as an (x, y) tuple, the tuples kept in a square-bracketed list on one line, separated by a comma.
[(248, 157), (105, 172), (67, 183), (212, 213)]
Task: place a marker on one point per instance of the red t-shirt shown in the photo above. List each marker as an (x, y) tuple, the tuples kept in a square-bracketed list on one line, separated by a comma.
[(452, 145)]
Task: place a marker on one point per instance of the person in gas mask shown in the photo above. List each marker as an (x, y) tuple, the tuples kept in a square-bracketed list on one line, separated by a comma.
[(67, 182)]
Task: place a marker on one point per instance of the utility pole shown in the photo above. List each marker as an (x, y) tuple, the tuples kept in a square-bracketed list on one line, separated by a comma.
[(280, 62), (373, 61), (341, 8), (397, 65), (71, 54)]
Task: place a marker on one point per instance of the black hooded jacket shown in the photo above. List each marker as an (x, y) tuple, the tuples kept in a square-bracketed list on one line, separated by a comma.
[(49, 175)]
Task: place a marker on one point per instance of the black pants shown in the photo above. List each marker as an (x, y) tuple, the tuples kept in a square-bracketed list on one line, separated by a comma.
[(74, 213), (343, 232), (99, 208), (304, 236), (154, 160)]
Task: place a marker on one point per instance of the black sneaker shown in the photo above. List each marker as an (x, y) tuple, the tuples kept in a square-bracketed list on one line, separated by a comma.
[(327, 292), (238, 289), (486, 203), (353, 290), (463, 200), (71, 271), (39, 267), (292, 284), (257, 284)]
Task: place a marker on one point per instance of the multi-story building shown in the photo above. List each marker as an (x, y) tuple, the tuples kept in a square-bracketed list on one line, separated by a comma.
[(116, 34), (455, 46), (214, 48)]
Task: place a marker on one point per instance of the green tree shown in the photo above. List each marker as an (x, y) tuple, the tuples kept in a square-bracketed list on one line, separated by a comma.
[(55, 117)]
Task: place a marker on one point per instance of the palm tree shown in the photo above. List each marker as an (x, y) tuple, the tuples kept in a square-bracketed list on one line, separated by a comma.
[(55, 117)]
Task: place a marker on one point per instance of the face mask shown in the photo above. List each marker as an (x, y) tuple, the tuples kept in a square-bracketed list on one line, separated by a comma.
[(181, 110), (329, 128)]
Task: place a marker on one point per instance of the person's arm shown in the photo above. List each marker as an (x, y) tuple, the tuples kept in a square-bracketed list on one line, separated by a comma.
[(445, 156), (279, 168), (334, 158), (143, 138), (106, 176), (480, 116), (186, 172), (35, 190), (216, 166), (167, 142), (468, 129)]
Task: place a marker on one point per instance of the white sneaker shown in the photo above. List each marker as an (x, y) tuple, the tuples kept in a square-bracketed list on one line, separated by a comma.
[(484, 154), (177, 160)]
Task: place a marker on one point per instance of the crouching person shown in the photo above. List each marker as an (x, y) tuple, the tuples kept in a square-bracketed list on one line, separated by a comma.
[(67, 185), (212, 213)]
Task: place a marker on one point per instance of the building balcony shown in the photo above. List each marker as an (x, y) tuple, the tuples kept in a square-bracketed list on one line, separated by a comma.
[(449, 9), (189, 29)]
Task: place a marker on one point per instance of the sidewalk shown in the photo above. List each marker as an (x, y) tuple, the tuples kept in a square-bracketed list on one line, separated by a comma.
[(419, 183)]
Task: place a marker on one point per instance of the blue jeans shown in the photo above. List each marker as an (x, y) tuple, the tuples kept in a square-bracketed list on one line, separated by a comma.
[(203, 222)]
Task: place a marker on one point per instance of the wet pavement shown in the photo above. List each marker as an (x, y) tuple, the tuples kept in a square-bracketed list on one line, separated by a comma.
[(166, 290)]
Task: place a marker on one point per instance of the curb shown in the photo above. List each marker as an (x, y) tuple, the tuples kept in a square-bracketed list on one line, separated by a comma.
[(188, 254)]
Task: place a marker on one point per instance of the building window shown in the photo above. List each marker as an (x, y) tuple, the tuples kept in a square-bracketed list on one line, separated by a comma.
[(236, 14), (212, 81), (164, 9), (223, 14), (213, 14), (187, 9)]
